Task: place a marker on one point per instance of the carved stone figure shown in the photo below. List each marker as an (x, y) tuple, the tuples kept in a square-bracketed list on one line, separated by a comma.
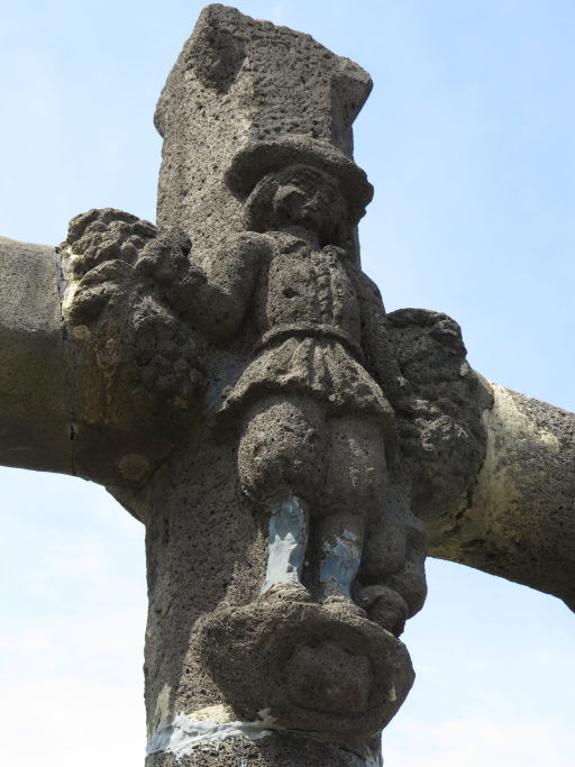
[(313, 426), (232, 377), (315, 422)]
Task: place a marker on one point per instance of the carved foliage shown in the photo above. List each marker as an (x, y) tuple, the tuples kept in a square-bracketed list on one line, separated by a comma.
[(439, 410), (122, 275)]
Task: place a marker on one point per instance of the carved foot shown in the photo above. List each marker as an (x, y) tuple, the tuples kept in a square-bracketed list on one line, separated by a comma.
[(285, 592)]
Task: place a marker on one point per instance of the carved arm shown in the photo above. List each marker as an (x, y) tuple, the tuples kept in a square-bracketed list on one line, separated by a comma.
[(214, 296)]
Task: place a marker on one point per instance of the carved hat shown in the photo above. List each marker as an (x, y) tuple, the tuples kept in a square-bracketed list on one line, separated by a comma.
[(245, 98), (256, 160)]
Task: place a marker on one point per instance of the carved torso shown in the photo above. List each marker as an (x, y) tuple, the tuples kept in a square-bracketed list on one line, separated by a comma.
[(307, 315), (307, 292)]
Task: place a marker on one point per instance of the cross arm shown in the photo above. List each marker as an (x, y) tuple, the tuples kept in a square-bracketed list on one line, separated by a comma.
[(34, 367), (493, 471), (520, 519)]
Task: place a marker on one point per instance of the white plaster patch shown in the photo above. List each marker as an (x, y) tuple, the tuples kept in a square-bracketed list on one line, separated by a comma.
[(187, 733), (208, 726), (68, 285)]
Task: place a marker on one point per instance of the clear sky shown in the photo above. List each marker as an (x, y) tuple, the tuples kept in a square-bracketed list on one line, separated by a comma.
[(469, 139)]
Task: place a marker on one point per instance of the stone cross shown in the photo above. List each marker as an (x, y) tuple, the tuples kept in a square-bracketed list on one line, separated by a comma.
[(230, 375)]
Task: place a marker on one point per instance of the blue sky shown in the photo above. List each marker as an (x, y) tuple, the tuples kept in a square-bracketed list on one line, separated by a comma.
[(469, 139)]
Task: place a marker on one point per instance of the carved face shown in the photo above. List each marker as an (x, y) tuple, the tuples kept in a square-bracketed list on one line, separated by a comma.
[(300, 196)]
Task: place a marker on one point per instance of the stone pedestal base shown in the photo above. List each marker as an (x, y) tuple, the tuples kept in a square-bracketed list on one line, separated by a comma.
[(321, 669)]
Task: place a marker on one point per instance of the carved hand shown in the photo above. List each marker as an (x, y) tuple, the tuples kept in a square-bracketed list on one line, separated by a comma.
[(392, 585)]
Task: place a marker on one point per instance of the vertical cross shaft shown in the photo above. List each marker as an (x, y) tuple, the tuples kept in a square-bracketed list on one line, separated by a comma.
[(243, 94)]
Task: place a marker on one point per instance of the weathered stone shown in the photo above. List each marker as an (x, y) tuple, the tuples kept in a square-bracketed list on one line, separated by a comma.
[(35, 371), (231, 95), (520, 522), (234, 380), (297, 428), (137, 370), (272, 750), (440, 408), (503, 499), (324, 669)]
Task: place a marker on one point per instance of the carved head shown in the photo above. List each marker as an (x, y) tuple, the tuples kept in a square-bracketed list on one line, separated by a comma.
[(299, 197)]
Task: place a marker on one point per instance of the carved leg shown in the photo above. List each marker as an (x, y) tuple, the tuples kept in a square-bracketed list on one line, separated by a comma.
[(207, 693), (355, 489), (341, 544), (288, 534), (281, 468)]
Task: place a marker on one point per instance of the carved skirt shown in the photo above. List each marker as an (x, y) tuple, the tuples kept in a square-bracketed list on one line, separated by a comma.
[(318, 367)]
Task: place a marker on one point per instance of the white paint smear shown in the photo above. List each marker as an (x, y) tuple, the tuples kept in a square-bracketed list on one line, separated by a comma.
[(186, 734)]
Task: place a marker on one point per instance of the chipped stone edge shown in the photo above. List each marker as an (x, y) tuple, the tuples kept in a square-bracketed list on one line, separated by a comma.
[(63, 286)]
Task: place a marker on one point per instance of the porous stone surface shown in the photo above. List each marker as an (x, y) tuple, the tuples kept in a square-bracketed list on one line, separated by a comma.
[(35, 374), (316, 668), (492, 469), (276, 750), (520, 521), (232, 377), (258, 171), (137, 370), (440, 407), (231, 92)]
